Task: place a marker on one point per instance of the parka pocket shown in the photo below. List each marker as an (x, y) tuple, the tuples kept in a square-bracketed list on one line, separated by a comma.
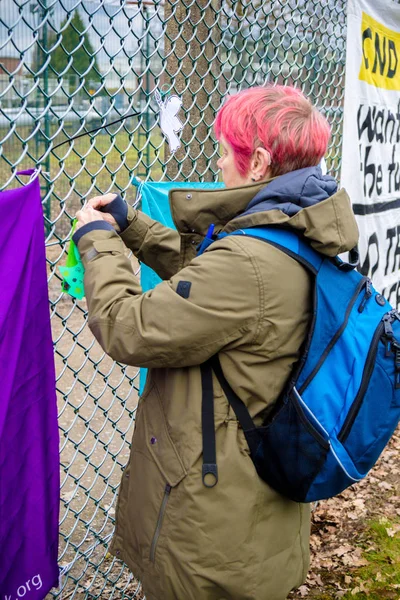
[(156, 469), (159, 443), (160, 519)]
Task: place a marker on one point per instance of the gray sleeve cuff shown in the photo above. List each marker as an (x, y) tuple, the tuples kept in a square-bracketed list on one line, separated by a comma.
[(91, 227)]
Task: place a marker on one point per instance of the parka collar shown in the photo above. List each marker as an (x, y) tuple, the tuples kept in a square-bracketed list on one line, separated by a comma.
[(329, 224), (193, 210)]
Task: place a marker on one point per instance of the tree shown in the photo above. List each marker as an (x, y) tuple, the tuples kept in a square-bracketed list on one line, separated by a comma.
[(83, 55)]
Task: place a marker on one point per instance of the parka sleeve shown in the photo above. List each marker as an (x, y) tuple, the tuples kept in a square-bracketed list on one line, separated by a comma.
[(213, 301), (154, 244)]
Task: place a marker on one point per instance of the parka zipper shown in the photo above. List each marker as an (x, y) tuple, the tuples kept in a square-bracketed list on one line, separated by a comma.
[(363, 283), (164, 502), (384, 331)]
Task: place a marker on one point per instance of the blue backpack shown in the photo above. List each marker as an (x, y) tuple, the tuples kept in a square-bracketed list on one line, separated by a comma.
[(342, 403)]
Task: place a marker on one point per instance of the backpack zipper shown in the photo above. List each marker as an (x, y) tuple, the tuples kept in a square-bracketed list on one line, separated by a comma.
[(160, 519), (392, 344), (300, 406), (364, 281), (385, 328), (366, 297)]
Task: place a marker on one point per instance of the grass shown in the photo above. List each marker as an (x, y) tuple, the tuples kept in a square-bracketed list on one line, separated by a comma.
[(380, 579)]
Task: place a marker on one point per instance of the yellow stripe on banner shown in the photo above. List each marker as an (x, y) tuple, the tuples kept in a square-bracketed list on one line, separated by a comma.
[(380, 54)]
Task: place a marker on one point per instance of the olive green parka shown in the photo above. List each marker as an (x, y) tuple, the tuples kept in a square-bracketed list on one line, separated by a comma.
[(251, 303)]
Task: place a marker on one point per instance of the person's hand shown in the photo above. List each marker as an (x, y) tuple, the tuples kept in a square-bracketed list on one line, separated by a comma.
[(98, 202), (88, 215)]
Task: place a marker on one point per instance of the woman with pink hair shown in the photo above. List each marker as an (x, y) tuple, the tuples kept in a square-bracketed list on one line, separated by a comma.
[(194, 520)]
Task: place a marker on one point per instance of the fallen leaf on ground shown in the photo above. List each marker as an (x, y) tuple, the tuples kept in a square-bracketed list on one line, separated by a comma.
[(303, 589), (391, 531)]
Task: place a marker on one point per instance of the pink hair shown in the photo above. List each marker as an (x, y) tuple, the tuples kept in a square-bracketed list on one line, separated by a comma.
[(280, 119)]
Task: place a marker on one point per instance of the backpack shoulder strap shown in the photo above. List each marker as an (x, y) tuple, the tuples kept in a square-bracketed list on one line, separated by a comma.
[(287, 241), (291, 244)]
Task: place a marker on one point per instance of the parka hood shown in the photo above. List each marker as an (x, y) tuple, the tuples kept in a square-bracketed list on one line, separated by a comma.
[(309, 202), (293, 191), (305, 200)]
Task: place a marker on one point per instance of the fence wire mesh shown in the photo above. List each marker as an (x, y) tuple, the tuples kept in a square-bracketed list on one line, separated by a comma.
[(67, 66)]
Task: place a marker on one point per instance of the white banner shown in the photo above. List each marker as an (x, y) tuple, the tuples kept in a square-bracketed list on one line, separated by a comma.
[(371, 138)]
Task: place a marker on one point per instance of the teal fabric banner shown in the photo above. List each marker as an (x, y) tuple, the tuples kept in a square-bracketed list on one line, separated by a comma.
[(155, 204)]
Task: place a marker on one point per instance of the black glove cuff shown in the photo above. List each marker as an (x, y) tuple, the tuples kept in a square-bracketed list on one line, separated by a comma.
[(118, 208)]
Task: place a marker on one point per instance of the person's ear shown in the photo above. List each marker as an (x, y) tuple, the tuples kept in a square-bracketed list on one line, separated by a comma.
[(260, 163)]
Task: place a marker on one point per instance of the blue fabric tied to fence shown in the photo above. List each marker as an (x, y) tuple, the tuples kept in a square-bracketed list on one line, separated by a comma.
[(155, 204)]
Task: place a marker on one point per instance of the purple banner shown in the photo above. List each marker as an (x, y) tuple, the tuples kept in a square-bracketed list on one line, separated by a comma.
[(29, 454)]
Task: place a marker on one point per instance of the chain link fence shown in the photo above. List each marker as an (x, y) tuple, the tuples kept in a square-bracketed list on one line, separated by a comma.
[(67, 66)]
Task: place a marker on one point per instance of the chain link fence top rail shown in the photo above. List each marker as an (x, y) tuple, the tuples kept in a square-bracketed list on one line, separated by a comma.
[(67, 66)]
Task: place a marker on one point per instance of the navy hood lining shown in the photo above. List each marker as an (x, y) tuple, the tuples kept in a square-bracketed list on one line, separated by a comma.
[(293, 191)]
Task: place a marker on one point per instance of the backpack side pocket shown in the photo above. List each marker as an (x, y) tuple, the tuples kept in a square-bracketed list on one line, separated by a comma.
[(288, 452)]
